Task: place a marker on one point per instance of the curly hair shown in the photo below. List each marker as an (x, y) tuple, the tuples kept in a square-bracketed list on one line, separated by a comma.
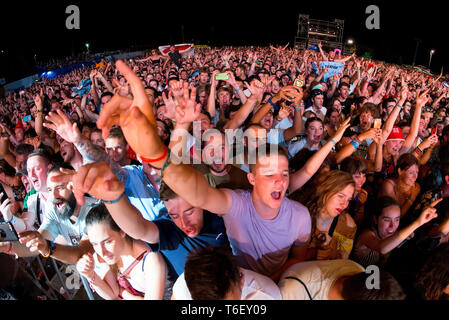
[(433, 278), (326, 185)]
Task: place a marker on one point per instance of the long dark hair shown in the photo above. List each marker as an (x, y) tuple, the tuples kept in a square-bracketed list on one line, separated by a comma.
[(100, 214)]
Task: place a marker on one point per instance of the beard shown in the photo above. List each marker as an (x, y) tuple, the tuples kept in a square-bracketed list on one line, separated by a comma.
[(68, 209)]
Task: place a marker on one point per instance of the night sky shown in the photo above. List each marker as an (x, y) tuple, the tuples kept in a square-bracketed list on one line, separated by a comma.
[(39, 28)]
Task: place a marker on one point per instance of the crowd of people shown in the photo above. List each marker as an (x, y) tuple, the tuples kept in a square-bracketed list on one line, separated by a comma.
[(234, 173)]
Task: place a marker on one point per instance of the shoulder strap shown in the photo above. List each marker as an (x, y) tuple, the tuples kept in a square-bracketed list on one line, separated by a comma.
[(333, 226), (128, 270), (305, 287), (38, 208)]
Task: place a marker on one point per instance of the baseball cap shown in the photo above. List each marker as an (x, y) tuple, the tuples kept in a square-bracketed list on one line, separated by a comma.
[(396, 134)]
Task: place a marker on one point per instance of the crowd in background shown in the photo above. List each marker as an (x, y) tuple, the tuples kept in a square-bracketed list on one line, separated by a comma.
[(359, 176)]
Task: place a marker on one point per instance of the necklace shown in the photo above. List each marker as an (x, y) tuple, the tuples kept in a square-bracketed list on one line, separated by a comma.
[(325, 221)]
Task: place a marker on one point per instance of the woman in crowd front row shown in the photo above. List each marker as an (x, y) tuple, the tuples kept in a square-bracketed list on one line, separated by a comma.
[(374, 244), (121, 268), (333, 228)]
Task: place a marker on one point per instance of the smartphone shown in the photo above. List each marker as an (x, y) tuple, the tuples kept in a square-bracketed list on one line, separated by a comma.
[(377, 123), (434, 131), (7, 232), (371, 70), (222, 76), (298, 83), (27, 118)]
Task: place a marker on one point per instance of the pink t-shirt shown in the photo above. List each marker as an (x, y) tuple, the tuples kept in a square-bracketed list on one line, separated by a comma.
[(263, 245)]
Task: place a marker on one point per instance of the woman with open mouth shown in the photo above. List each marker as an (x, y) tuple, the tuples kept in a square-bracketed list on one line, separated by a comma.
[(375, 243)]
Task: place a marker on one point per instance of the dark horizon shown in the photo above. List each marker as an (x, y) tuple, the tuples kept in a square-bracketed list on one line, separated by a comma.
[(40, 29)]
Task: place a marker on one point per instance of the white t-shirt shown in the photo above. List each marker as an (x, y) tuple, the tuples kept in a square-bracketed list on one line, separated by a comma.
[(72, 232), (322, 114), (318, 276), (32, 205), (255, 287)]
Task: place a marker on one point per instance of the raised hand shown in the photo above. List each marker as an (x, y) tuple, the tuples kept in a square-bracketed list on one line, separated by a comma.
[(428, 213), (177, 89), (422, 98), (371, 134), (430, 141), (188, 110), (170, 105), (214, 82), (135, 117), (284, 112), (267, 80), (38, 100), (61, 124), (288, 93), (341, 130), (96, 179), (118, 110), (256, 88)]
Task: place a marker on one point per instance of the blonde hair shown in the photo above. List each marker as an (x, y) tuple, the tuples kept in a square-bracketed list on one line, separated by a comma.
[(325, 186)]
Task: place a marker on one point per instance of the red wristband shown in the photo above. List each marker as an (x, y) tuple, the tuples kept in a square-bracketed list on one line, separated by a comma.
[(146, 160)]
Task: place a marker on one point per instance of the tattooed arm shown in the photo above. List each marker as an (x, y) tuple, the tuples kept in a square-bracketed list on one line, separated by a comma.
[(90, 152)]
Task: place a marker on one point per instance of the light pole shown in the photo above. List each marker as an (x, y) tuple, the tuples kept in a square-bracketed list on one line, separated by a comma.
[(87, 46), (431, 54), (418, 41)]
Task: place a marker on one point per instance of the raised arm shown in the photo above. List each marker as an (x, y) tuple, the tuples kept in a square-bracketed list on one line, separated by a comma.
[(211, 108), (39, 116), (421, 101), (350, 148), (388, 126), (141, 133), (300, 177), (93, 88), (296, 128), (60, 123), (245, 110), (386, 245), (323, 55)]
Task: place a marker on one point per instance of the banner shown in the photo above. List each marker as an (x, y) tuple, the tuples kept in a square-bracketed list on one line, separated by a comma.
[(184, 49), (333, 67)]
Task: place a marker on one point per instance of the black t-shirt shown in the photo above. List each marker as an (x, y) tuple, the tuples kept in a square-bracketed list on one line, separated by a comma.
[(346, 106), (175, 57)]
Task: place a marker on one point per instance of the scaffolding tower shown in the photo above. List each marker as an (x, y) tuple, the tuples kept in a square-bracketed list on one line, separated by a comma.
[(312, 31)]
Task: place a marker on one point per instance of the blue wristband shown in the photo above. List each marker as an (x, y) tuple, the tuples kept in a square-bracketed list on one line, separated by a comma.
[(272, 103), (114, 201), (355, 145), (333, 141)]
